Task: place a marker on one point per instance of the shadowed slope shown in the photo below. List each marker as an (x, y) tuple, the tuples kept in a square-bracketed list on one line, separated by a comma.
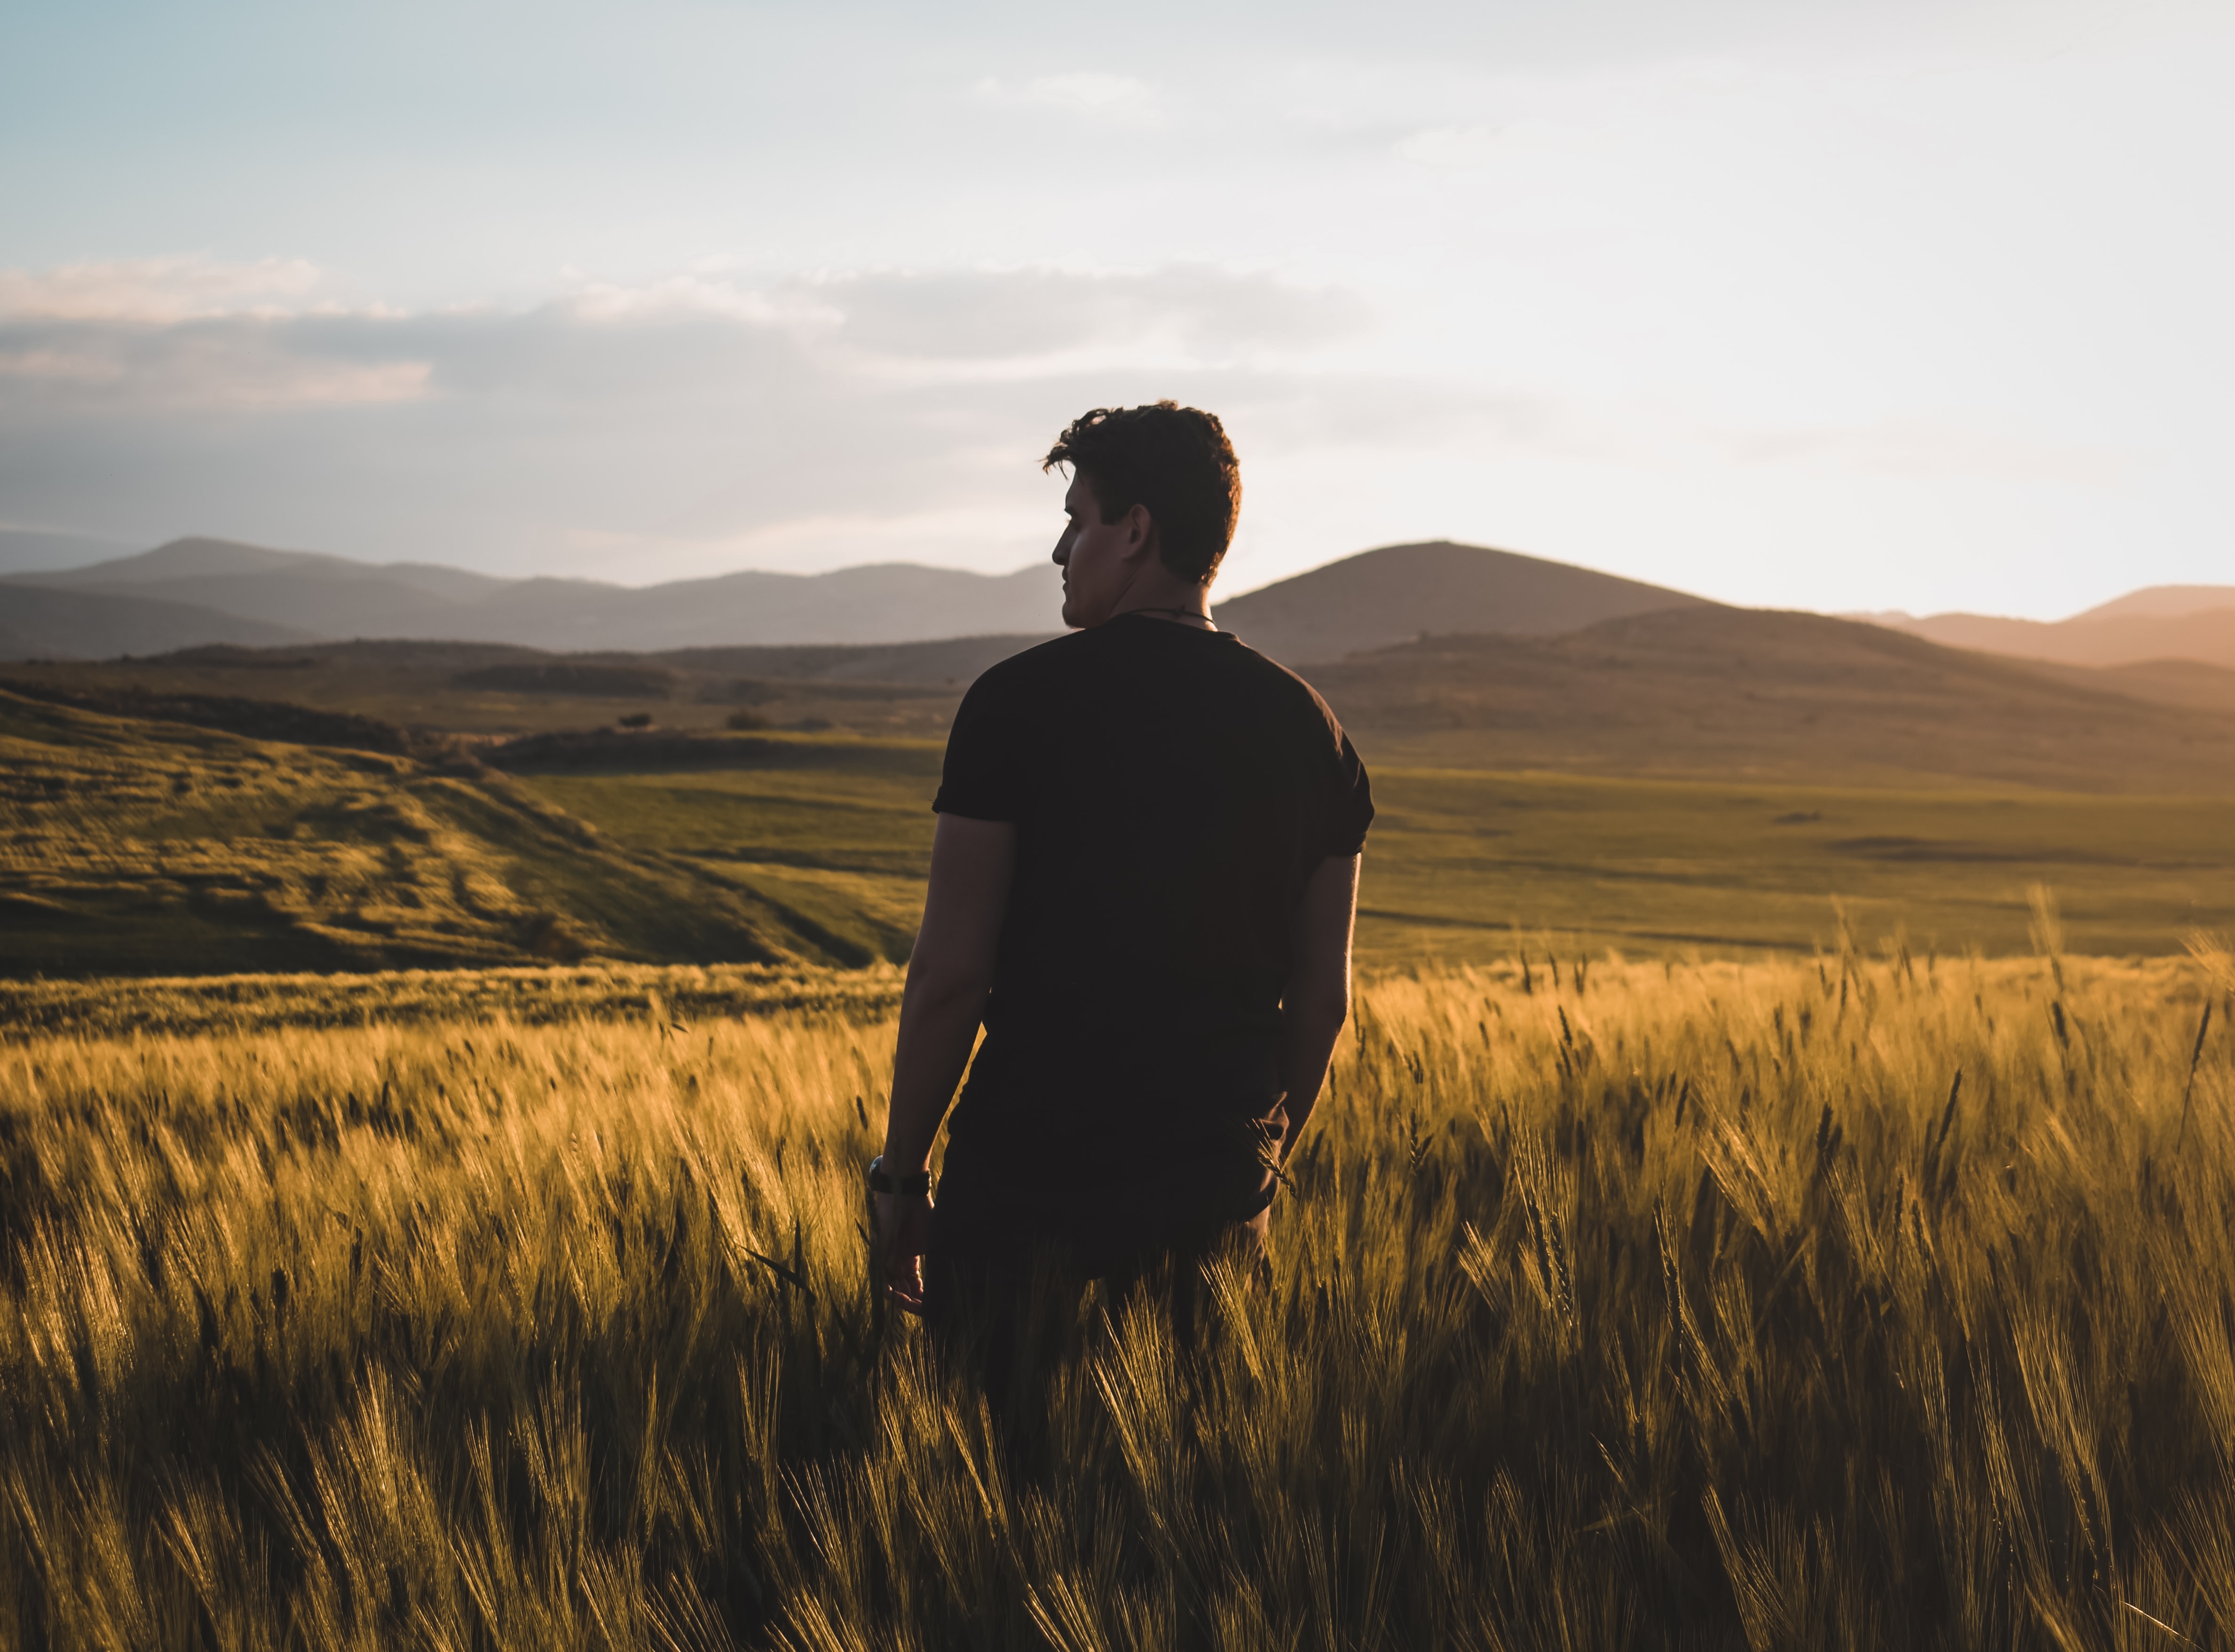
[(1743, 692), (2166, 682)]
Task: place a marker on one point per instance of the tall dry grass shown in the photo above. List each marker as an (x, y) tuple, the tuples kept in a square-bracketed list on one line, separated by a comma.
[(1849, 1303)]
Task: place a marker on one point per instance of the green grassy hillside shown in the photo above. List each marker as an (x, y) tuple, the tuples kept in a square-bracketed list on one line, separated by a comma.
[(491, 689), (1465, 865), (132, 846), (1702, 777), (835, 830), (141, 847)]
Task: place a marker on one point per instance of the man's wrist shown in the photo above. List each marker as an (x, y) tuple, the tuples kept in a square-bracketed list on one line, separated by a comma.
[(914, 1183)]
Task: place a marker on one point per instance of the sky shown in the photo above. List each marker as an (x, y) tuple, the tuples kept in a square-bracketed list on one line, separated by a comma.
[(1882, 305)]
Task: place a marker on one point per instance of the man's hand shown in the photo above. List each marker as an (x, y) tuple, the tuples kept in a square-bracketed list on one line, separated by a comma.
[(903, 1232)]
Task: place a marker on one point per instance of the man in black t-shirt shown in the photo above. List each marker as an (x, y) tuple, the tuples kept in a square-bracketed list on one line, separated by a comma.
[(1143, 886)]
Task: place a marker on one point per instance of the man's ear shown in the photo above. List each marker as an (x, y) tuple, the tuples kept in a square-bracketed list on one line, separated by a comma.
[(1140, 531)]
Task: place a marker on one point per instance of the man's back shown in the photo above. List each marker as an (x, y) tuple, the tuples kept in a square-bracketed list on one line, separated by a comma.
[(1141, 891), (1171, 791)]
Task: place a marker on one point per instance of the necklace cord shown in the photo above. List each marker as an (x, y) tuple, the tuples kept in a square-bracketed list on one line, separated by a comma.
[(1179, 613)]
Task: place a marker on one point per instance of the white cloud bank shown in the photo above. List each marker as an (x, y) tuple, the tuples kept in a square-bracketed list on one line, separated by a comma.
[(698, 423), (685, 426)]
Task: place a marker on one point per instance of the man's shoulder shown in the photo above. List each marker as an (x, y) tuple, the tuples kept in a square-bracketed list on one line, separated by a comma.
[(1029, 666), (1283, 685)]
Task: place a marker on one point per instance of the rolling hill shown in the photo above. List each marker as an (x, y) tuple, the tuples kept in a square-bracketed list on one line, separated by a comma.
[(1697, 690), (2191, 622), (144, 845), (1690, 776), (2163, 602), (906, 689), (1398, 592), (2167, 682)]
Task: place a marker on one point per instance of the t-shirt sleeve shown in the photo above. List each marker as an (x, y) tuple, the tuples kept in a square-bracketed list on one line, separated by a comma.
[(988, 758), (1350, 810)]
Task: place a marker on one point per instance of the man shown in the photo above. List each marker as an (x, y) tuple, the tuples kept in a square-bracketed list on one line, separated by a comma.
[(1143, 886)]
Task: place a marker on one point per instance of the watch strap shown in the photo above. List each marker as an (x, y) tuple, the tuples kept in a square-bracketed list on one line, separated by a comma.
[(911, 1183)]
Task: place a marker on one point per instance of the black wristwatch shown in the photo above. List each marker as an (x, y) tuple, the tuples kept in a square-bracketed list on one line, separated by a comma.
[(915, 1184)]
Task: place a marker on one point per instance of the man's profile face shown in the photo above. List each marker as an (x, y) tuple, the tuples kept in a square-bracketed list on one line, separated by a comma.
[(1093, 555)]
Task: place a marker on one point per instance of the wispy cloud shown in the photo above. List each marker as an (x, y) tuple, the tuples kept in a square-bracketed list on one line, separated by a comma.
[(157, 291), (79, 368)]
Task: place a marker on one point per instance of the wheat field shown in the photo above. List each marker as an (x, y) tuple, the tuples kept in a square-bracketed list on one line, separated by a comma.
[(1862, 1302)]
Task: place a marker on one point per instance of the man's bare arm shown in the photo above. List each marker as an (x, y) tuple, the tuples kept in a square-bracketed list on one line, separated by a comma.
[(949, 973), (1316, 1001)]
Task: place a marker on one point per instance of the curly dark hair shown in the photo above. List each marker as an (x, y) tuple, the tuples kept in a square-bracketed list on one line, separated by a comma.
[(1177, 462)]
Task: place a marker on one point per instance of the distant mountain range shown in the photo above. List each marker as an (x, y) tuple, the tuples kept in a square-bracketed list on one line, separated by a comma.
[(2160, 643), (2159, 622), (42, 622), (196, 592), (299, 595)]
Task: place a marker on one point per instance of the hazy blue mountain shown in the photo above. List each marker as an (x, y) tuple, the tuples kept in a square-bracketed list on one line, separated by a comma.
[(336, 597), (881, 603), (324, 595), (197, 558), (22, 549), (38, 622)]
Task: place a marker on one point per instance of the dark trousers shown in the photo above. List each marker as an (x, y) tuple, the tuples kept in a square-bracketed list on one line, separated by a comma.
[(1003, 1277)]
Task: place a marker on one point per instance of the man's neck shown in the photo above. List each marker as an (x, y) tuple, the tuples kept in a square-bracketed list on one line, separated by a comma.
[(1188, 605)]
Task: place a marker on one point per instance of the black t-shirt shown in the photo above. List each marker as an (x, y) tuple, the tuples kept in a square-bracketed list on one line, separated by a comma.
[(1172, 790)]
